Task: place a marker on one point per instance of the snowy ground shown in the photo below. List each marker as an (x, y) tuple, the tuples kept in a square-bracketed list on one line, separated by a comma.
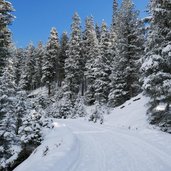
[(125, 142)]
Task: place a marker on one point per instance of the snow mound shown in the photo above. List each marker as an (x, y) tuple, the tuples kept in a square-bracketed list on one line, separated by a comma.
[(131, 115), (42, 91), (59, 145), (166, 49)]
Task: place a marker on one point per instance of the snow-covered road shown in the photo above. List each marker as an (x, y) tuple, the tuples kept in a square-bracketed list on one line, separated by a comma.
[(103, 148), (125, 142), (93, 147)]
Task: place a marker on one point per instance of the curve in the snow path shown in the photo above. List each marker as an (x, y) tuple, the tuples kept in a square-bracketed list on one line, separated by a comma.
[(107, 149)]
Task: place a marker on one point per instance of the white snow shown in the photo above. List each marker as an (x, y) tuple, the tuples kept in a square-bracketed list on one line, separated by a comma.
[(166, 49), (161, 107), (42, 91), (125, 142)]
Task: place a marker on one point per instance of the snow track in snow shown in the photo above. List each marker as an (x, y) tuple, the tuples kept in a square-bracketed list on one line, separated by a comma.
[(111, 149)]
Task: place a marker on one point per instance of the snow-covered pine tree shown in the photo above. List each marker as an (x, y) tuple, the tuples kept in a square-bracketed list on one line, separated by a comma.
[(15, 110), (11, 113), (92, 62), (157, 63), (65, 108), (50, 61), (30, 131), (53, 49), (113, 34), (18, 60), (27, 82), (7, 126), (85, 48), (39, 54), (98, 31), (103, 65), (5, 35), (97, 114), (79, 108), (62, 57), (115, 9), (129, 49), (74, 62)]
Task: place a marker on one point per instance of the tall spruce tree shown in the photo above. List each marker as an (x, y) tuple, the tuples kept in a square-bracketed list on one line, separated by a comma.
[(103, 65), (39, 54), (86, 46), (92, 62), (62, 57), (157, 63), (28, 70), (18, 64), (5, 35), (74, 62), (50, 61), (113, 34), (10, 117), (129, 49), (115, 9), (98, 31)]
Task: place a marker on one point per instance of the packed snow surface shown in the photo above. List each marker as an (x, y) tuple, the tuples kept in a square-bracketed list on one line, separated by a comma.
[(125, 142)]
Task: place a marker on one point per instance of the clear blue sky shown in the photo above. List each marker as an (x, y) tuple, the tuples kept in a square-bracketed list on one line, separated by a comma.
[(34, 18)]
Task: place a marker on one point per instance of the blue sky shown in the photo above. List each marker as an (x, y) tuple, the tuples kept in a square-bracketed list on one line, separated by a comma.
[(34, 18)]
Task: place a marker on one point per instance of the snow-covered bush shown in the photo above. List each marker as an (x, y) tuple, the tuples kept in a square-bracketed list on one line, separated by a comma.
[(97, 114), (30, 129), (79, 108), (65, 108)]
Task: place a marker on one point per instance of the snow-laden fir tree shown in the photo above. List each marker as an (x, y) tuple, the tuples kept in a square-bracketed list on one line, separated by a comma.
[(97, 114), (65, 108), (7, 134), (11, 113), (74, 62), (50, 60), (129, 49), (85, 48), (92, 62), (20, 128), (98, 31), (30, 131), (157, 61), (5, 35), (115, 8), (27, 81), (39, 54), (62, 57), (79, 107), (113, 29), (103, 65), (18, 60)]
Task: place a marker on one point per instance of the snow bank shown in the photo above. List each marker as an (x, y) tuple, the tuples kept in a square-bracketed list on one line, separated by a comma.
[(131, 114), (42, 91), (58, 150), (166, 49)]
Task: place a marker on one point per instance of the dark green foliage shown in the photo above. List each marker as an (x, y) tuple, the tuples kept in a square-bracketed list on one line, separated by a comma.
[(157, 63), (93, 56), (28, 69), (74, 62), (50, 61), (62, 57), (129, 49), (5, 35), (39, 54)]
